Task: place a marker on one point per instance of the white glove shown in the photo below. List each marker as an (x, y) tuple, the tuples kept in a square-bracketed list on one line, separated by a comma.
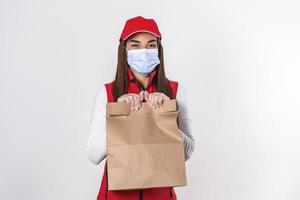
[(155, 99), (133, 100)]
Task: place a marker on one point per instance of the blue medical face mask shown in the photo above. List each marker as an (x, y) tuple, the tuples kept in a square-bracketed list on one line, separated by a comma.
[(143, 60)]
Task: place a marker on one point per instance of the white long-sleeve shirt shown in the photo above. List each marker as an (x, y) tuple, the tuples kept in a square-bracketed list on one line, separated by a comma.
[(96, 141)]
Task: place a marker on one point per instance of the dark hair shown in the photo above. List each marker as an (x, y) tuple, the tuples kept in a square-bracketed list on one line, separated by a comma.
[(120, 84)]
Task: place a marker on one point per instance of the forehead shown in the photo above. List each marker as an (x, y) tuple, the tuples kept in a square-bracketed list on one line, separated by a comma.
[(141, 36)]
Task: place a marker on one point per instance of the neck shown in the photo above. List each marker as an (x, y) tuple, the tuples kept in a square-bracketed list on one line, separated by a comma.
[(144, 80)]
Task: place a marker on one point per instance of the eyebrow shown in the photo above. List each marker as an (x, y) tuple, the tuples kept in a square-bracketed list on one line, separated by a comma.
[(136, 41)]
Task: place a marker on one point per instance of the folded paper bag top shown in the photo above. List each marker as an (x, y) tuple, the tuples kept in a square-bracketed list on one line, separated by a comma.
[(144, 148), (121, 108)]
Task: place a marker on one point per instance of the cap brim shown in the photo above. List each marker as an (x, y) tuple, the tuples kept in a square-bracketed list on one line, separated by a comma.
[(139, 32)]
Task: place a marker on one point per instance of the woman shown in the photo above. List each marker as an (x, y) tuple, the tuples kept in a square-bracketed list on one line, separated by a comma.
[(140, 76)]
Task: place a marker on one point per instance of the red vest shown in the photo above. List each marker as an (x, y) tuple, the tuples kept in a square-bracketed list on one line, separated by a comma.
[(162, 193)]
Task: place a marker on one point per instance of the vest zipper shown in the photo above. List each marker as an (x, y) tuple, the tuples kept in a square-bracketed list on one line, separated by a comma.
[(171, 193), (140, 86), (141, 195)]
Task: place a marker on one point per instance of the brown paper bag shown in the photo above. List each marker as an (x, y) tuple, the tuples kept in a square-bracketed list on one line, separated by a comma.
[(144, 147)]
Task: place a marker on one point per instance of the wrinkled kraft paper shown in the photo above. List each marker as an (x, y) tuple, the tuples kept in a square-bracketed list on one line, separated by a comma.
[(144, 148)]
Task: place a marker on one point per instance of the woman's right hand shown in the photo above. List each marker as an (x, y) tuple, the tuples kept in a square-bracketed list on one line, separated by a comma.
[(132, 100)]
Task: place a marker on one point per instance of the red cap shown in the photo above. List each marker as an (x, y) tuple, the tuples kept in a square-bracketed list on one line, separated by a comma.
[(139, 24)]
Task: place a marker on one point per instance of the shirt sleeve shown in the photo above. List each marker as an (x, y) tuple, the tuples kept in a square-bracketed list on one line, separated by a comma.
[(184, 122), (96, 141)]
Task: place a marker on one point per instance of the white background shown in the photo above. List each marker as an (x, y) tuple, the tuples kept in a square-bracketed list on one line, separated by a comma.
[(238, 60)]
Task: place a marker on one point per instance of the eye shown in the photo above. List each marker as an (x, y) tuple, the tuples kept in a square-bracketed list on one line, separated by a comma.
[(134, 45), (152, 45)]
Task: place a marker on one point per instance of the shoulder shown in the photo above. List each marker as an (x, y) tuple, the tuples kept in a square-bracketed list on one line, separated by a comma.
[(177, 88), (101, 95), (181, 90), (173, 83), (182, 95), (105, 92), (109, 91), (108, 85), (174, 86)]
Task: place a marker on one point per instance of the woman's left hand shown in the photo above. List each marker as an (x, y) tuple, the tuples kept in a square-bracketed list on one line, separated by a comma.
[(155, 99)]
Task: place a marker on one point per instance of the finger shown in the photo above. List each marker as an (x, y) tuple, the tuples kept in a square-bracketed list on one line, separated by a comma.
[(146, 95), (166, 97), (140, 98), (127, 100), (141, 95), (135, 98), (148, 99), (131, 102), (122, 98), (156, 101), (151, 100), (160, 101)]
